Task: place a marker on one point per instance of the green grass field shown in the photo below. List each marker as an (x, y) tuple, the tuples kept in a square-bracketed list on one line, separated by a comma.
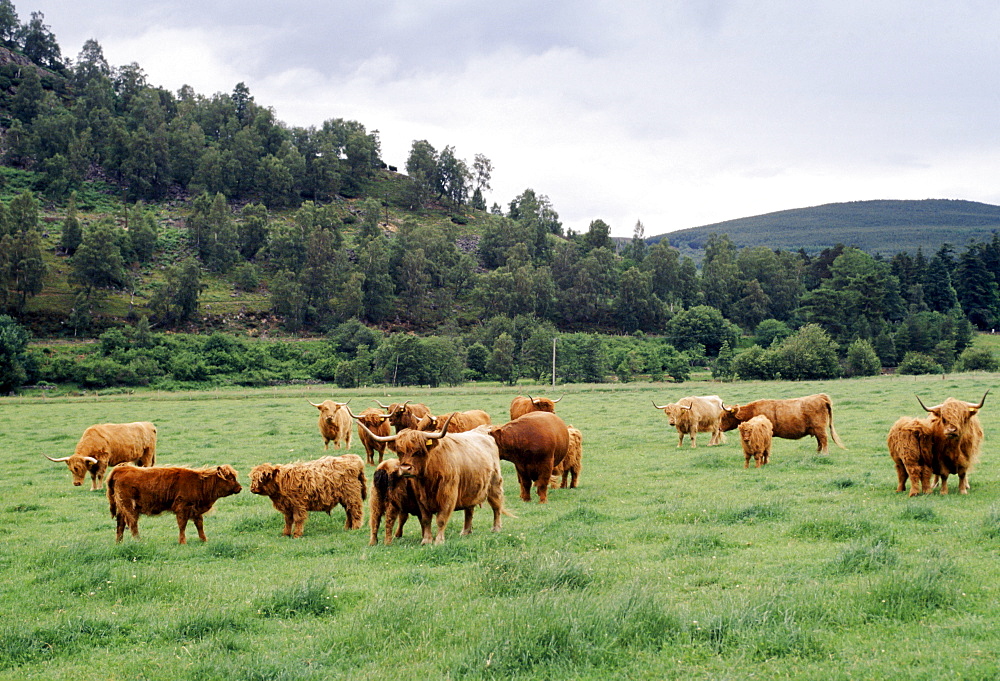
[(663, 564)]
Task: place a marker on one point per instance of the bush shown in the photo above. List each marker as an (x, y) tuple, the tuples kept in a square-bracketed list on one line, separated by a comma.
[(977, 359), (862, 359), (916, 363), (246, 277)]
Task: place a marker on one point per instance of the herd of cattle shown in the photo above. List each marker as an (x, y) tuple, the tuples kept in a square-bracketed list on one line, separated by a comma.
[(451, 462)]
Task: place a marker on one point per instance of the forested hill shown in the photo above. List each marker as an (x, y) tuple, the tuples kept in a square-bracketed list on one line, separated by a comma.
[(884, 227)]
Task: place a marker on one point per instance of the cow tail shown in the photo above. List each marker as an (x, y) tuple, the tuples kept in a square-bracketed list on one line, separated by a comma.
[(364, 484), (833, 433), (112, 505)]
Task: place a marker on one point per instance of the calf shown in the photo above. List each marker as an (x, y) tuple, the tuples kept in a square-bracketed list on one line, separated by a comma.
[(376, 421), (393, 496), (755, 436), (320, 485), (185, 492), (911, 446), (571, 463)]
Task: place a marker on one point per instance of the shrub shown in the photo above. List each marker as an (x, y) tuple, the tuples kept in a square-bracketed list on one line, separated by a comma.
[(915, 363), (862, 359), (977, 359)]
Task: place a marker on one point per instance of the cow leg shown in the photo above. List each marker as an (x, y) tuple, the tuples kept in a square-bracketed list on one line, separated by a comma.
[(943, 477), (390, 524), (120, 531), (467, 528), (680, 438), (746, 462), (425, 528), (963, 483), (298, 522), (354, 514), (525, 483), (97, 475), (925, 480), (403, 517), (543, 487), (199, 523), (902, 476), (442, 520), (182, 521), (821, 445), (694, 438)]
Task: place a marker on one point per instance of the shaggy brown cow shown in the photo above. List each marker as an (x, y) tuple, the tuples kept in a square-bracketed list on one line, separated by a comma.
[(377, 422), (958, 436), (755, 436), (534, 443), (519, 406), (334, 424), (405, 415), (794, 419), (571, 463), (187, 493), (911, 446), (461, 421), (693, 415), (109, 444), (320, 485), (393, 496), (450, 472)]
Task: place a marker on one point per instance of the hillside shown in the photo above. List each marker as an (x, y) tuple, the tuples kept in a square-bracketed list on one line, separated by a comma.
[(884, 227)]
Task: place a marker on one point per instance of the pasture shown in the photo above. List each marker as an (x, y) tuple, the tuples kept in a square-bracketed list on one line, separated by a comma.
[(665, 563)]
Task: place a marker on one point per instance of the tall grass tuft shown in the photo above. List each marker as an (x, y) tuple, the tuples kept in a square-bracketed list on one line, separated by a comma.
[(835, 529), (991, 523), (920, 513), (752, 513), (528, 573), (312, 597), (19, 646), (909, 595), (201, 625), (865, 555)]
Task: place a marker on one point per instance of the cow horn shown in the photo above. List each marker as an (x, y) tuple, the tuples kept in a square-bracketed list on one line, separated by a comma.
[(531, 398), (444, 429), (932, 409), (378, 438), (384, 406), (342, 404), (981, 402), (689, 407), (65, 458), (554, 401), (89, 459), (658, 406), (351, 413), (316, 405)]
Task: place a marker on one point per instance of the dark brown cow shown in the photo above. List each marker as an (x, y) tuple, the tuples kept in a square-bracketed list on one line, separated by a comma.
[(534, 443), (394, 497), (450, 472), (520, 405), (377, 422), (187, 493), (794, 419), (460, 422), (109, 444), (405, 415)]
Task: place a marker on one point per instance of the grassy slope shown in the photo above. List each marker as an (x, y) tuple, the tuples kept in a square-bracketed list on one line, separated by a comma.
[(664, 563), (885, 227)]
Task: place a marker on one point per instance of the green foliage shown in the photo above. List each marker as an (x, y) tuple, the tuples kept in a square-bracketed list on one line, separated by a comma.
[(701, 325), (862, 359), (916, 363), (977, 359), (14, 361)]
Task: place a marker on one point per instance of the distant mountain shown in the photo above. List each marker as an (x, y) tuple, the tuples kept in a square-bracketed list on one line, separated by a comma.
[(885, 227)]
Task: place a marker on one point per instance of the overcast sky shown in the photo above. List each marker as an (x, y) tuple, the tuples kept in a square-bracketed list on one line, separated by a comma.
[(678, 113)]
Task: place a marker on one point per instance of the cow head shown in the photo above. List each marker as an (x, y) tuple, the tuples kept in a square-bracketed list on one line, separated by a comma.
[(952, 416), (412, 446), (543, 403), (430, 423), (673, 411), (79, 466), (386, 476), (226, 482), (328, 409), (262, 479)]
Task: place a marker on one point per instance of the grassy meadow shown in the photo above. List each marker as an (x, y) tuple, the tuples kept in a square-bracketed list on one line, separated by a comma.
[(663, 564)]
